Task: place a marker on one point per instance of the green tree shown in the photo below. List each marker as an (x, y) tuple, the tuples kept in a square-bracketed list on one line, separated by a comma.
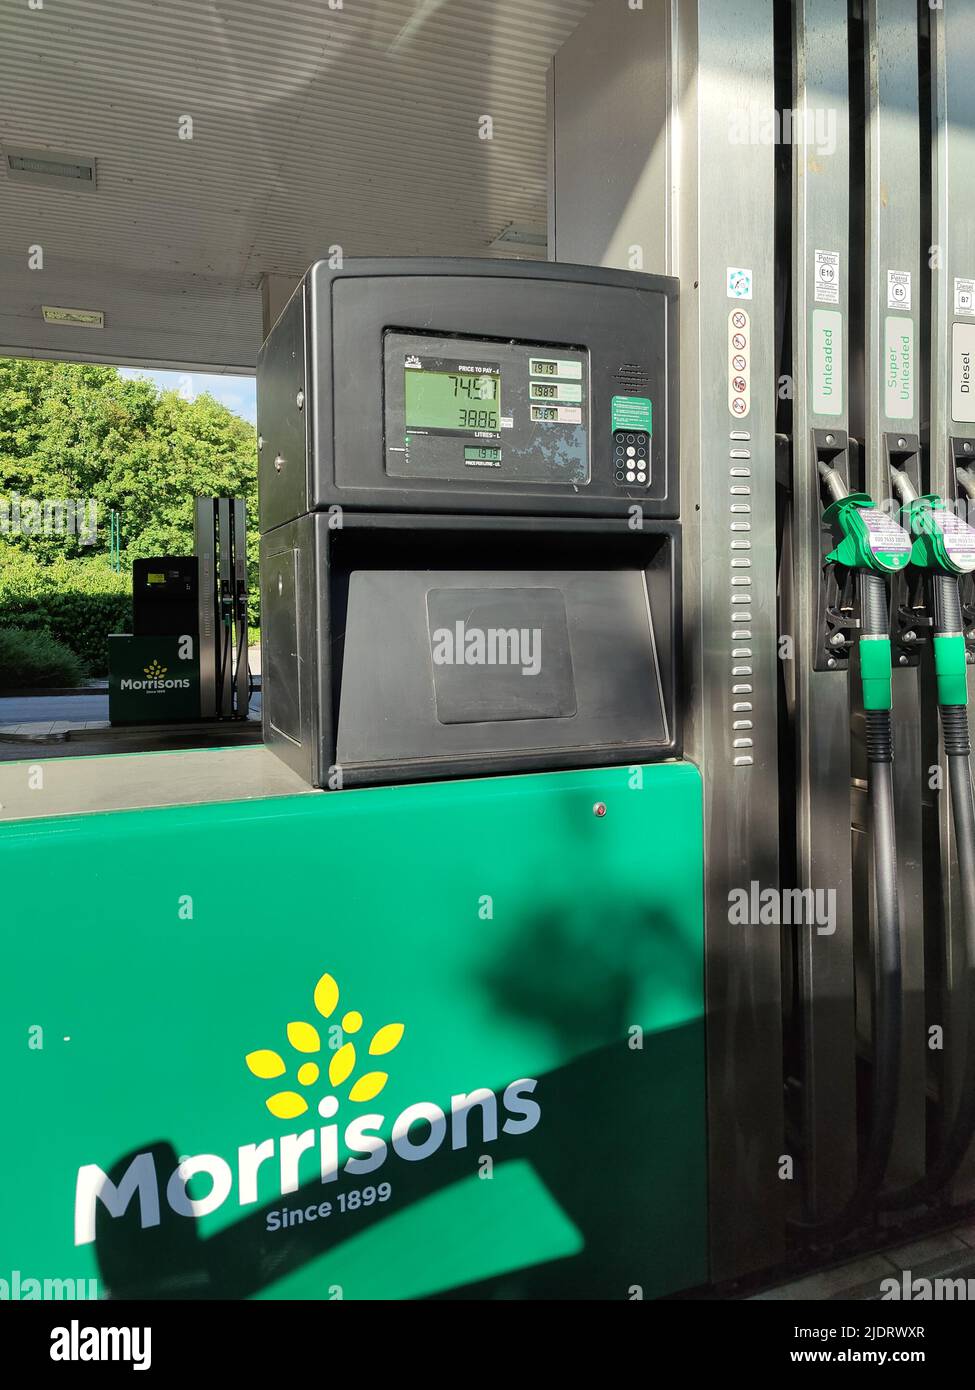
[(71, 431)]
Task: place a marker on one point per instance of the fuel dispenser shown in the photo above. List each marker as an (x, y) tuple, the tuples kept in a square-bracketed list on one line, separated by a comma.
[(555, 674), (447, 1038), (870, 548), (802, 167), (470, 557), (943, 552)]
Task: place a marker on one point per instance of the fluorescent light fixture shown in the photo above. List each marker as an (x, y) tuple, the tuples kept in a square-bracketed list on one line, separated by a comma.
[(516, 234), (50, 169), (80, 318)]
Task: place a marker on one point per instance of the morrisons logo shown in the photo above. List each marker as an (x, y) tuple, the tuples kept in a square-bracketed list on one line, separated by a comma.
[(415, 1134), (155, 679)]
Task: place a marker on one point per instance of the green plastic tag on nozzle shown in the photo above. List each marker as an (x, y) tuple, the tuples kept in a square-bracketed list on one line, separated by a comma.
[(951, 669), (875, 672), (868, 538)]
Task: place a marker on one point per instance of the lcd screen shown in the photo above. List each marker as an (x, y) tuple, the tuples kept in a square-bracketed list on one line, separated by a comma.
[(461, 401)]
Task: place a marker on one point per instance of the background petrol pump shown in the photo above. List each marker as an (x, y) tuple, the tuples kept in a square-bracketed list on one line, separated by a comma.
[(186, 658)]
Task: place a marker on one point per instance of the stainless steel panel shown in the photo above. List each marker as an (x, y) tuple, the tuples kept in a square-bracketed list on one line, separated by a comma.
[(131, 781), (952, 48), (892, 250), (225, 635), (724, 71), (670, 171), (241, 677), (820, 326), (205, 549)]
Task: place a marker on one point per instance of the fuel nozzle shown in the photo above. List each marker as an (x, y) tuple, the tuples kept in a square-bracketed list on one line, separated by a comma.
[(966, 480), (941, 541), (833, 481), (943, 546), (867, 539), (872, 545), (903, 486)]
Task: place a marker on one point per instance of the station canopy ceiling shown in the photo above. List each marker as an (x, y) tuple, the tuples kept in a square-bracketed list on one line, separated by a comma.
[(238, 139)]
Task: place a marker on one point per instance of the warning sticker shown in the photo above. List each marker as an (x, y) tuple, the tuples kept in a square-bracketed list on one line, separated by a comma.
[(898, 289), (883, 534), (632, 413), (826, 285), (964, 296), (959, 538)]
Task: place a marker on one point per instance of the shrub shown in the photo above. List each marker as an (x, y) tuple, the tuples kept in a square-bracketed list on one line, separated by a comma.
[(36, 659), (78, 602)]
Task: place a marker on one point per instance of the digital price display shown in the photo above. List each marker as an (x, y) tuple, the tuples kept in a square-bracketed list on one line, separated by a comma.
[(456, 401), (444, 417)]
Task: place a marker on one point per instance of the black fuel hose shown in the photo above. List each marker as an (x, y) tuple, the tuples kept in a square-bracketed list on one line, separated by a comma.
[(947, 616), (888, 981)]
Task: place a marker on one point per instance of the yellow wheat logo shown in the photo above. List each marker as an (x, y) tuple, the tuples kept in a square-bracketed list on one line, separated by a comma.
[(154, 671), (305, 1039)]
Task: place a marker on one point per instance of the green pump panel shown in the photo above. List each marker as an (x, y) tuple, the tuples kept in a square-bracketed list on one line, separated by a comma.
[(465, 1055)]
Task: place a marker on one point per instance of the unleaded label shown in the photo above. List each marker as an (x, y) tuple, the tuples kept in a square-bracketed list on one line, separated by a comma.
[(827, 362), (898, 367)]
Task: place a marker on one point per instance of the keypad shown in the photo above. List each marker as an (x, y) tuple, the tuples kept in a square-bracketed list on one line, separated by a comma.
[(631, 458)]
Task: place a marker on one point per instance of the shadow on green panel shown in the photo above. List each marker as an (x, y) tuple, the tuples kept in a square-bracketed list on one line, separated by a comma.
[(606, 1196)]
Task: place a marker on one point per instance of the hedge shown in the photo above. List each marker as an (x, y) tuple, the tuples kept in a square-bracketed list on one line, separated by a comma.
[(30, 660), (79, 603)]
